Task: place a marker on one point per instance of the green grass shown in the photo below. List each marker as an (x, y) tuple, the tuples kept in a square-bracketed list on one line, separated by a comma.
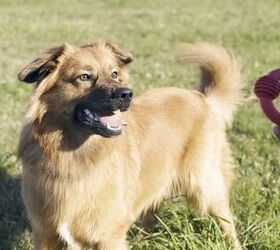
[(154, 31)]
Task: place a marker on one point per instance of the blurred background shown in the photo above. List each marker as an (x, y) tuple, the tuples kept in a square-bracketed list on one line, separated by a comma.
[(155, 32)]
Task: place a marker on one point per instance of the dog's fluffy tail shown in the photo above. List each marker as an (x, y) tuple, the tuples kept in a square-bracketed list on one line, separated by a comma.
[(221, 80)]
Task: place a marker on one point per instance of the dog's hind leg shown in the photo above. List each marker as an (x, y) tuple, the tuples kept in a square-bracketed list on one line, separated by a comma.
[(219, 208), (212, 198), (207, 185)]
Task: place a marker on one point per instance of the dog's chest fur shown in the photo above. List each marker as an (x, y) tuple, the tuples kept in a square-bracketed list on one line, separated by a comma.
[(90, 203)]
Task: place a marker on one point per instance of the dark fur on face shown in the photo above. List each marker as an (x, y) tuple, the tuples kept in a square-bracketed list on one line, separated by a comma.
[(84, 84)]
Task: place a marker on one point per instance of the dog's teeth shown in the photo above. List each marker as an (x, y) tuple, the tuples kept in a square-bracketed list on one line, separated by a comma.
[(88, 113), (113, 128), (91, 115)]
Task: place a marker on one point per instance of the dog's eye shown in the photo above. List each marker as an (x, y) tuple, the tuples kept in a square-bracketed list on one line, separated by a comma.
[(114, 74), (85, 77)]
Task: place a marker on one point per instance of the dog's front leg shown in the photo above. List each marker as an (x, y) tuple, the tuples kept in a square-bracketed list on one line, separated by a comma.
[(113, 243), (46, 242), (116, 238)]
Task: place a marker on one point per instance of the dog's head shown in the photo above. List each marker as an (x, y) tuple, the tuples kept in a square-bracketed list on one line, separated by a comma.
[(80, 88)]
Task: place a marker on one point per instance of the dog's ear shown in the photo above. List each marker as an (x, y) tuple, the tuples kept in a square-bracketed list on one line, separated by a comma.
[(37, 70), (123, 57)]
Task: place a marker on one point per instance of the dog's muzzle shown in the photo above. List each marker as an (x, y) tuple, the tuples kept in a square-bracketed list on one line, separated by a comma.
[(104, 117)]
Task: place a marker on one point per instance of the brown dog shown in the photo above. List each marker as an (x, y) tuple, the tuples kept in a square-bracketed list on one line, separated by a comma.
[(93, 161)]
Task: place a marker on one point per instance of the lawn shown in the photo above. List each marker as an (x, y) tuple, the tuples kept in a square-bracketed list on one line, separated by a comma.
[(154, 31)]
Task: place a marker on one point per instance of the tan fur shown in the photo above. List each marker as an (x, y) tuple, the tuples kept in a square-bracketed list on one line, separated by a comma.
[(94, 188)]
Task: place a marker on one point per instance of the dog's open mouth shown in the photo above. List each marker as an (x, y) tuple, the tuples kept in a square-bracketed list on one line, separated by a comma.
[(104, 123)]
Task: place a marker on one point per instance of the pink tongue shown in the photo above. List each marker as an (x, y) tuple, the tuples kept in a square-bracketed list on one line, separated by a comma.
[(112, 120)]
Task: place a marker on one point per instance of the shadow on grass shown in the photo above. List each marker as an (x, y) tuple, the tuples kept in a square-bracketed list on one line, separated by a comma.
[(13, 220)]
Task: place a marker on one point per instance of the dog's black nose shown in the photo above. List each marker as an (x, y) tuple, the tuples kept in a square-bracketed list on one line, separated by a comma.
[(122, 93)]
